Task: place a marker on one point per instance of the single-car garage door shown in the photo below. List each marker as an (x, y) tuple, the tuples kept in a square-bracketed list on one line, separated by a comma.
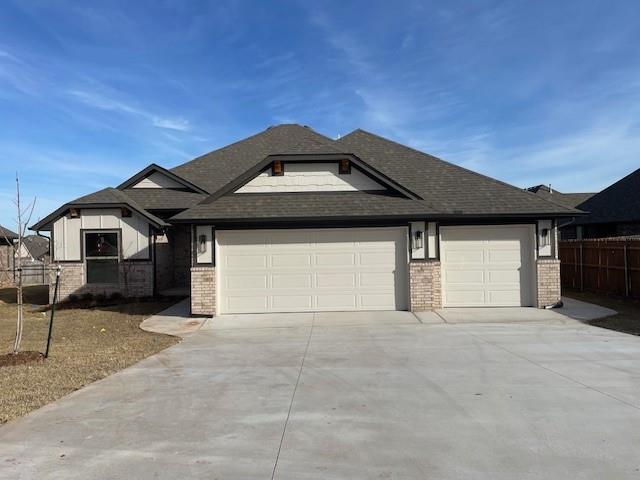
[(487, 265), (311, 270)]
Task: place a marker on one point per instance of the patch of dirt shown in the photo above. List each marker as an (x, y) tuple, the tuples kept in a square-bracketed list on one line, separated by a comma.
[(20, 358)]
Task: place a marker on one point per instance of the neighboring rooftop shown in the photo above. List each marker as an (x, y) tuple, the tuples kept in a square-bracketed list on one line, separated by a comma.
[(38, 246), (618, 203), (5, 233), (565, 199)]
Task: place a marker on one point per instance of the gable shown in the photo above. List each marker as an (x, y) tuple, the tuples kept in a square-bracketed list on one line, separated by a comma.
[(157, 180), (311, 177)]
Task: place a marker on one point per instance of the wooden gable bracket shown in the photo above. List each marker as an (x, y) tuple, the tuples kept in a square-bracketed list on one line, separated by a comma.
[(345, 167), (277, 169), (74, 213)]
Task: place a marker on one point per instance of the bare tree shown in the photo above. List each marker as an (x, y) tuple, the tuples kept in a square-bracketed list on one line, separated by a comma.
[(23, 219)]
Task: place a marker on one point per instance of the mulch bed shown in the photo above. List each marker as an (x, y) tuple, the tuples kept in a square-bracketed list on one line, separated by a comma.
[(20, 358)]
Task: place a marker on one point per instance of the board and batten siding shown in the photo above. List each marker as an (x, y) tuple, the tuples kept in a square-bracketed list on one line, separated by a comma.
[(67, 241), (313, 177)]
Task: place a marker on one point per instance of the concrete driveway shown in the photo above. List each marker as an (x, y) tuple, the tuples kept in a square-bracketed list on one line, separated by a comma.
[(328, 396)]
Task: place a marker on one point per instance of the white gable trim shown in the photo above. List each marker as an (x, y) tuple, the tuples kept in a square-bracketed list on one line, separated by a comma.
[(310, 177)]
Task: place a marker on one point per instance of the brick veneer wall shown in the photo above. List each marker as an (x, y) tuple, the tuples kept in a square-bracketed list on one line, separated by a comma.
[(136, 280), (6, 264), (203, 291), (548, 278), (425, 288)]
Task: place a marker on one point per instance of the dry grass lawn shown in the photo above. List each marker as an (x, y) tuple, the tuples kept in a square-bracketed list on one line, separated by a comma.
[(87, 345), (628, 318)]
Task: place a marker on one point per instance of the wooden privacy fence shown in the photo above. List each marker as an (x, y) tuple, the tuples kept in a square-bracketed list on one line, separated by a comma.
[(610, 266)]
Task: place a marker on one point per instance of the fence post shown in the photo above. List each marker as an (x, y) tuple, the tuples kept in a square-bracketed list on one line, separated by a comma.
[(626, 272), (581, 269)]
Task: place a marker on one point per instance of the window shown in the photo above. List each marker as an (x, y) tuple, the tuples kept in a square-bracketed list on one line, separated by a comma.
[(102, 256)]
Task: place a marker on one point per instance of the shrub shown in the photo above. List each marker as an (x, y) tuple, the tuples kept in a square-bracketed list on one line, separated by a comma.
[(87, 296)]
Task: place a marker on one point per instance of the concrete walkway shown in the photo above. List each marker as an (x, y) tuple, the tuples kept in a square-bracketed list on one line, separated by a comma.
[(175, 320), (356, 397)]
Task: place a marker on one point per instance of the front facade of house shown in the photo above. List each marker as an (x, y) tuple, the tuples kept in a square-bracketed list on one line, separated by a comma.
[(289, 220)]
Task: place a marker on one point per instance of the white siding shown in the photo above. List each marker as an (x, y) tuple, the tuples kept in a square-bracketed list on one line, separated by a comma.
[(67, 241), (310, 177), (158, 180)]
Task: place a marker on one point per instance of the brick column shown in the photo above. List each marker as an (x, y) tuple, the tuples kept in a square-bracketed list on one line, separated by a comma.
[(425, 288), (203, 290), (548, 281)]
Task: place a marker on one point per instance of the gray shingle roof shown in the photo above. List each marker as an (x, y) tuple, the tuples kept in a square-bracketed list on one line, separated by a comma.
[(215, 169), (446, 189), (164, 199), (6, 233), (103, 198), (566, 199), (618, 203), (38, 246), (310, 206)]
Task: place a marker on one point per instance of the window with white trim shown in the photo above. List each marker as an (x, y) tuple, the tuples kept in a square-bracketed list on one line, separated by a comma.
[(102, 256)]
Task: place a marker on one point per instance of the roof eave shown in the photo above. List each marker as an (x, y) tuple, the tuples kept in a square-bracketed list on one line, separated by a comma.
[(45, 223)]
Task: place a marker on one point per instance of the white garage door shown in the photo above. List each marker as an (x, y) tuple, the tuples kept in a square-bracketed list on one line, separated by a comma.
[(487, 265), (311, 270)]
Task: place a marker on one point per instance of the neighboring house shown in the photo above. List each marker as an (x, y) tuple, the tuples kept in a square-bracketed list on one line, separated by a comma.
[(567, 227), (7, 238), (34, 250), (614, 212), (289, 220)]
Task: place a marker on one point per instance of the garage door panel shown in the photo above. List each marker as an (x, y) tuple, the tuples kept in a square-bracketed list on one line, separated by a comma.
[(512, 255), (237, 282), (290, 260), (336, 302), (507, 298), (465, 256), (287, 281), (377, 279), (333, 280), (335, 259), (503, 276), (466, 297), (245, 261), (235, 302), (307, 270), (377, 258), (465, 277), (487, 265), (292, 302)]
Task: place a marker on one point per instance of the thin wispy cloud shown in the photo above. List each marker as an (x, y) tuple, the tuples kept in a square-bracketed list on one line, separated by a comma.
[(102, 102)]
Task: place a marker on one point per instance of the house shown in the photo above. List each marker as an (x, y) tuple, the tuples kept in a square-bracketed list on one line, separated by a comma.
[(614, 212), (567, 227), (34, 250), (7, 238), (289, 220)]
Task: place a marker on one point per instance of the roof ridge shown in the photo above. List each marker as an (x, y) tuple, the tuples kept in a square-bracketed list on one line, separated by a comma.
[(330, 142), (477, 174)]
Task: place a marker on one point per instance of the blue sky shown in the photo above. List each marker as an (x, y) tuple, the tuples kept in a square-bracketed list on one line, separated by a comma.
[(527, 92)]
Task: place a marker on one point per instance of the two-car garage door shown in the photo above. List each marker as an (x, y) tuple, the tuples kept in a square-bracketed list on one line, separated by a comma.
[(311, 270)]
